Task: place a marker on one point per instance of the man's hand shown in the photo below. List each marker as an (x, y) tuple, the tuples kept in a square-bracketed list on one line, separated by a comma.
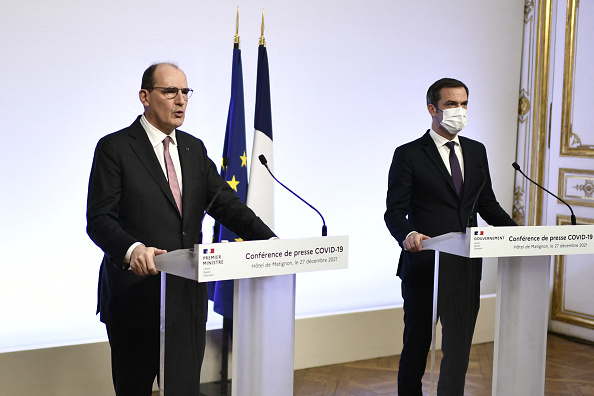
[(413, 242), (141, 260)]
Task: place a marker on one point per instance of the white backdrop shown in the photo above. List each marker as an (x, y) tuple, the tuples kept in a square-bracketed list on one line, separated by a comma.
[(348, 83)]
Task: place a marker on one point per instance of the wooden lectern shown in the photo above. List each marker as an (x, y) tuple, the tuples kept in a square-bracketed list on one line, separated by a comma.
[(264, 301), (522, 310)]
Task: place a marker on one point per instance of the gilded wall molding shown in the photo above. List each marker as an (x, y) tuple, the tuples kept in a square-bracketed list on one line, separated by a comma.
[(523, 106), (533, 111), (518, 212), (558, 310), (528, 8), (572, 141), (576, 186)]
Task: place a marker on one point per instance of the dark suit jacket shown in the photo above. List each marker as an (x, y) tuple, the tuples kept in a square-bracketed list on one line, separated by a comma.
[(422, 197), (129, 200)]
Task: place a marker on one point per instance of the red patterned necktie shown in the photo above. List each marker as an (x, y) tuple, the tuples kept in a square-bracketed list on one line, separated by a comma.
[(455, 167), (171, 175)]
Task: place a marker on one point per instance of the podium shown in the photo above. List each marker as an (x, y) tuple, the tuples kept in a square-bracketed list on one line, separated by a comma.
[(523, 286), (264, 301)]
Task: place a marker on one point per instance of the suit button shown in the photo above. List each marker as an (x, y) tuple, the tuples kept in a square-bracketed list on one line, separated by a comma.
[(183, 233)]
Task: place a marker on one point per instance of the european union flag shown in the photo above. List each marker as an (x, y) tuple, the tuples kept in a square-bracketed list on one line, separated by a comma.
[(221, 293)]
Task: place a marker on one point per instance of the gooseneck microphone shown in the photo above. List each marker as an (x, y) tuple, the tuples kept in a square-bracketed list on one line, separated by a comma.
[(480, 191), (517, 167), (225, 165), (265, 163)]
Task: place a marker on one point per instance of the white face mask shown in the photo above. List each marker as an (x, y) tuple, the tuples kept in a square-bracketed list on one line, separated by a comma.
[(454, 120)]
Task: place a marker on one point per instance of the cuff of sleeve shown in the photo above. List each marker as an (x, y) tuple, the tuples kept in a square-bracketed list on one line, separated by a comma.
[(128, 255), (410, 233)]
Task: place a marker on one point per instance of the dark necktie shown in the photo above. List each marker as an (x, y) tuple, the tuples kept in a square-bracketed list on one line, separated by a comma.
[(455, 167), (171, 175)]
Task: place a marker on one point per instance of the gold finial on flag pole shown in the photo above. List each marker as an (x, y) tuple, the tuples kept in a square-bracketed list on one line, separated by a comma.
[(236, 38), (262, 40)]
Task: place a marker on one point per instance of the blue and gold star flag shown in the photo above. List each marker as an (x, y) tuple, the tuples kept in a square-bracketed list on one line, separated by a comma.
[(221, 293), (235, 146)]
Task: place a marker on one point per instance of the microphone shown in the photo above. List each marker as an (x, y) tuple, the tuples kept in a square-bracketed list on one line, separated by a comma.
[(216, 228), (265, 163), (225, 165), (472, 216), (517, 167)]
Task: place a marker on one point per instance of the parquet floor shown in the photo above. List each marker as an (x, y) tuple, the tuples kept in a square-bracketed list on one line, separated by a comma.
[(569, 372)]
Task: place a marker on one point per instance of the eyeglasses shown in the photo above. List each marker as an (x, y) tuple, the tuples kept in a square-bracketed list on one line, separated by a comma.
[(171, 92)]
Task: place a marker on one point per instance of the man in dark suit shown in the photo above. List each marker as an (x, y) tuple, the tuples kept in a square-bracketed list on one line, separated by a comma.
[(432, 185), (149, 186)]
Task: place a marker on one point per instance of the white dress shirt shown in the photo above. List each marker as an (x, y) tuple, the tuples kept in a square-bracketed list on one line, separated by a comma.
[(156, 137), (444, 150)]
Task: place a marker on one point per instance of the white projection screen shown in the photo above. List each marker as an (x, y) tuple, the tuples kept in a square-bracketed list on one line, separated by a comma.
[(348, 84)]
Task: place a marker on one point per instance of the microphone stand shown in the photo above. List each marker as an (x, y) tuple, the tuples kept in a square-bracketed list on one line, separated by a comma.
[(517, 167), (215, 228), (262, 159), (471, 218)]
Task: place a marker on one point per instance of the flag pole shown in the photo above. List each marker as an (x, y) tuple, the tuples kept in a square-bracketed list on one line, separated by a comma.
[(234, 166), (236, 38), (264, 321), (262, 40)]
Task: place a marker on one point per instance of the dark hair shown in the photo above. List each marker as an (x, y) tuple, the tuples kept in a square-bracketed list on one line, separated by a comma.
[(148, 77), (433, 93)]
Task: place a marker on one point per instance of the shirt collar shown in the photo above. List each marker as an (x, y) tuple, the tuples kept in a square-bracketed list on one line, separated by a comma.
[(440, 140), (155, 135)]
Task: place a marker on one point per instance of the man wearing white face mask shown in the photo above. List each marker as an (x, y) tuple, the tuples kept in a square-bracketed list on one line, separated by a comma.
[(432, 185)]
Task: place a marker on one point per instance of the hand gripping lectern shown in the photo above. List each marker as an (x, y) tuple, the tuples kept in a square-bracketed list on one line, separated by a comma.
[(264, 301), (522, 309)]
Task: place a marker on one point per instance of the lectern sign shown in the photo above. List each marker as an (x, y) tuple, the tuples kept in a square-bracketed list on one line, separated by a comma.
[(530, 241), (522, 311), (251, 259)]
